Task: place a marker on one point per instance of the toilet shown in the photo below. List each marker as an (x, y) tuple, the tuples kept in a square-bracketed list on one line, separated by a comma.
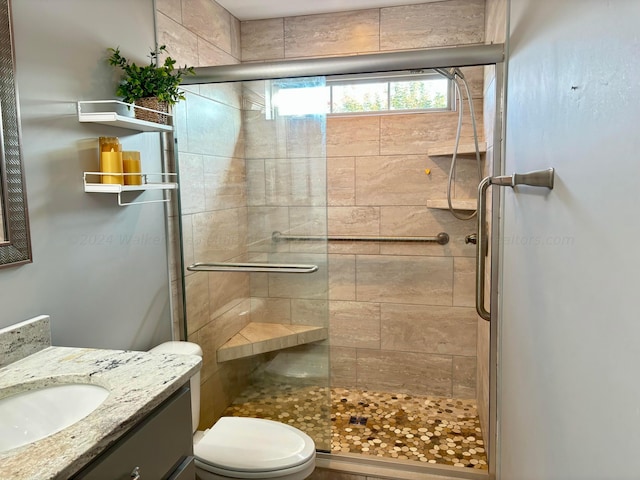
[(240, 447)]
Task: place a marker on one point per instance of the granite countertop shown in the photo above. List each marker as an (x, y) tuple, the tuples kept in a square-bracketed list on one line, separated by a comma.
[(137, 381)]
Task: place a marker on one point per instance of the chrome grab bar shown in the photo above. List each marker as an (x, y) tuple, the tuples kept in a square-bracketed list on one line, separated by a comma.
[(442, 238), (537, 178), (252, 267)]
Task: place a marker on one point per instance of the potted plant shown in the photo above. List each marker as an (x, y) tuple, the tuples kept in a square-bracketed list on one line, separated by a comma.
[(153, 86)]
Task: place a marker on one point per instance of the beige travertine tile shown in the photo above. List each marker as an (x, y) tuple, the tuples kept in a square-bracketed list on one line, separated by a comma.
[(496, 21), (226, 291), (262, 39), (197, 299), (341, 182), (213, 128), (420, 221), (308, 286), (343, 367), (256, 182), (427, 329), (295, 181), (489, 109), (453, 22), (225, 183), (464, 377), (210, 55), (310, 312), (308, 334), (263, 221), (475, 79), (401, 279), (354, 248), (342, 277), (306, 137), (171, 8), (467, 177), (271, 310), (332, 34), (229, 94), (354, 220), (267, 137), (219, 236), (310, 220), (236, 347), (236, 40), (269, 337), (182, 45), (414, 133), (353, 136), (208, 20), (397, 180), (464, 282), (402, 372), (354, 324), (192, 183)]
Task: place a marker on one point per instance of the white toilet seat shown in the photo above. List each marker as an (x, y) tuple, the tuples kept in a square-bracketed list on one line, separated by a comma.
[(239, 447)]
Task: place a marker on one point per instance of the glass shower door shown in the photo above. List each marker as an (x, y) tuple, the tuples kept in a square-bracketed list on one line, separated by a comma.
[(283, 135)]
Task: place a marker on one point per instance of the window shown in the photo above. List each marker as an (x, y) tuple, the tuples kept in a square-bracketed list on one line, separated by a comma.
[(362, 94)]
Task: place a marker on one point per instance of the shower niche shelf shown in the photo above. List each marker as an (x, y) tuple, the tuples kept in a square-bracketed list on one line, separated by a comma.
[(464, 149), (257, 338), (458, 203)]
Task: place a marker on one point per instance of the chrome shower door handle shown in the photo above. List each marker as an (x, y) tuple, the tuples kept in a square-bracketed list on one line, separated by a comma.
[(537, 178)]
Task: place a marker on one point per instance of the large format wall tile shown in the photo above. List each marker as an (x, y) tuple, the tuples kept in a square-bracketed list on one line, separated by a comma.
[(220, 235), (464, 282), (354, 324), (332, 34), (402, 372), (354, 220), (396, 279), (342, 277), (464, 377), (182, 45), (454, 22), (397, 180), (353, 136), (343, 367), (262, 39), (225, 185), (341, 181), (208, 20), (427, 329)]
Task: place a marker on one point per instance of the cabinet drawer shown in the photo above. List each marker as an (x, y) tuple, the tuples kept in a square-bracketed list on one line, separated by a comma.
[(157, 447)]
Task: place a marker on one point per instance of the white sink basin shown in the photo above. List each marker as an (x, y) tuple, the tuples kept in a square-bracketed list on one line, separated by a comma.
[(35, 414)]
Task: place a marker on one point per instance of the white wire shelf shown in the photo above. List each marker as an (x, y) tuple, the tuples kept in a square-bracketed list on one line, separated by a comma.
[(115, 188), (115, 113)]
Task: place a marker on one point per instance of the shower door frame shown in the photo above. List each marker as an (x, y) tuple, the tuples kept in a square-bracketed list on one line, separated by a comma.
[(464, 56)]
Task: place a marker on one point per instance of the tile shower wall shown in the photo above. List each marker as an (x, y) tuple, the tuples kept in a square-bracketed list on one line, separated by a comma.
[(401, 315), (376, 186), (213, 192)]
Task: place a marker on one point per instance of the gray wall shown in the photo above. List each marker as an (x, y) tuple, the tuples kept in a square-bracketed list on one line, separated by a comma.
[(569, 329), (99, 270)]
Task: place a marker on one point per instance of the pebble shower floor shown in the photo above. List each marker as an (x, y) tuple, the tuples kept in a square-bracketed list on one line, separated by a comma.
[(429, 429)]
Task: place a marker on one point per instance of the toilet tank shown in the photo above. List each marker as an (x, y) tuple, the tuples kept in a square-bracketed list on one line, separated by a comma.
[(186, 348)]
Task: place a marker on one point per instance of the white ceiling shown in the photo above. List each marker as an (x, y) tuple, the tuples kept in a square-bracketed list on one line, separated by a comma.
[(262, 9)]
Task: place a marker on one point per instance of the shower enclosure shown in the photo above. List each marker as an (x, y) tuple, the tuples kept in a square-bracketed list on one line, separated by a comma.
[(326, 282)]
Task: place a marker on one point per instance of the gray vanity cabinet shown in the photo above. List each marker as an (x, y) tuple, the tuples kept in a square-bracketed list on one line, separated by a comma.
[(160, 447)]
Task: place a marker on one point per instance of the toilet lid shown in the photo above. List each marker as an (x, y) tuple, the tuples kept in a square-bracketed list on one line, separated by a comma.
[(253, 444)]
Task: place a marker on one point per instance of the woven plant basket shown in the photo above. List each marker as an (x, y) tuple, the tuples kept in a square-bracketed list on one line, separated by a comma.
[(154, 104)]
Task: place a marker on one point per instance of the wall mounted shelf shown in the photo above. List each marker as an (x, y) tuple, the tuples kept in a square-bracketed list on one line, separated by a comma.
[(118, 189), (458, 203), (114, 114)]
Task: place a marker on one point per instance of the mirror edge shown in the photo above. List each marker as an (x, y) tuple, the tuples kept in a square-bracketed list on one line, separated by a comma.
[(17, 249)]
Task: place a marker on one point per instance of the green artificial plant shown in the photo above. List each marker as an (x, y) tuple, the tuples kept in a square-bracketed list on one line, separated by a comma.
[(153, 80)]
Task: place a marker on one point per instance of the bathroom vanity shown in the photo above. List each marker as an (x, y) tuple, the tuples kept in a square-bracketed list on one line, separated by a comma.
[(141, 430)]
